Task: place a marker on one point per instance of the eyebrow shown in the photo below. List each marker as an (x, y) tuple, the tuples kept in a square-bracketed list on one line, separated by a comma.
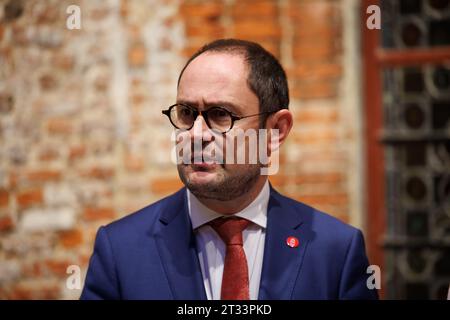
[(224, 104)]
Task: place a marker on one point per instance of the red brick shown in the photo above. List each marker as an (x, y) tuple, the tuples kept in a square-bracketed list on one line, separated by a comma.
[(49, 292), (4, 198), (282, 156), (208, 9), (101, 83), (99, 173), (124, 9), (97, 213), (57, 267), (316, 70), (254, 9), (43, 175), (325, 136), (316, 22), (48, 154), (134, 163), (208, 30), (43, 291), (19, 293), (13, 180), (137, 55), (138, 99), (313, 12), (59, 126), (261, 29), (47, 16), (271, 45), (30, 197), (71, 238), (6, 223), (136, 83), (84, 258), (47, 82), (20, 34), (314, 116), (190, 49), (316, 33), (91, 234), (278, 180), (165, 185), (322, 50), (32, 270), (64, 62), (76, 152), (323, 156), (314, 90), (333, 177), (97, 14), (281, 180)]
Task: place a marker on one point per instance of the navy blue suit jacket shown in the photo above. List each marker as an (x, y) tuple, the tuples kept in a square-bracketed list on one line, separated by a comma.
[(151, 254)]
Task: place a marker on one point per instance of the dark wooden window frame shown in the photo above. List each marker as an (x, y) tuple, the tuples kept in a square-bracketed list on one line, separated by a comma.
[(375, 59)]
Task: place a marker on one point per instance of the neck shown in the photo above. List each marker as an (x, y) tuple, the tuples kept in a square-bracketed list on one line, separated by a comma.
[(238, 204)]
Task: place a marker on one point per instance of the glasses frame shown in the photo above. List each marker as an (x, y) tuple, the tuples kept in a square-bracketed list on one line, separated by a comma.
[(204, 114)]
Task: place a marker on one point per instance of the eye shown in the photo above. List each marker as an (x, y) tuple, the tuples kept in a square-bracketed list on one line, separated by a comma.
[(184, 112), (218, 113)]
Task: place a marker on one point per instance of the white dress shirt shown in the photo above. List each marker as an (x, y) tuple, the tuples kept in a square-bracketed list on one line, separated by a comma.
[(211, 249)]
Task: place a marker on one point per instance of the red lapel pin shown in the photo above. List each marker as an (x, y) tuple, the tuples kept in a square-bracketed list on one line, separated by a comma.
[(292, 242)]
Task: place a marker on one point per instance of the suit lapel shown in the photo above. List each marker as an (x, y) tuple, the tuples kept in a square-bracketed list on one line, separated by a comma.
[(281, 263), (177, 248)]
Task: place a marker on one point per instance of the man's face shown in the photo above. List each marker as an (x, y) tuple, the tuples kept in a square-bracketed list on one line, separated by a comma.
[(218, 79)]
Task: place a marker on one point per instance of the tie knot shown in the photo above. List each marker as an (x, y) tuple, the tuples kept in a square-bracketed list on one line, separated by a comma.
[(230, 229)]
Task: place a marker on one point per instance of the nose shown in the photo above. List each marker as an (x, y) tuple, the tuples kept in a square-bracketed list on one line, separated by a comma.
[(200, 130)]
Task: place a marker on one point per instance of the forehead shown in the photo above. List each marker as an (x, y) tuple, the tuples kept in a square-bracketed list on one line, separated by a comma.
[(216, 77), (217, 64)]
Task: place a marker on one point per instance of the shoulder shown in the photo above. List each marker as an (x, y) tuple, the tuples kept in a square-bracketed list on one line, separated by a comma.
[(330, 240), (143, 220), (330, 228)]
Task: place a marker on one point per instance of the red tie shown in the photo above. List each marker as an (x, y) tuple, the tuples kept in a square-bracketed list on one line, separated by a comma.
[(235, 270)]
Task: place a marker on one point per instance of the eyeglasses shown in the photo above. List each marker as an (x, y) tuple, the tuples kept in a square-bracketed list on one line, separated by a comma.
[(183, 117)]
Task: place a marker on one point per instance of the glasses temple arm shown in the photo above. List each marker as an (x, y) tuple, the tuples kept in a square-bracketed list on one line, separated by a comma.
[(253, 115)]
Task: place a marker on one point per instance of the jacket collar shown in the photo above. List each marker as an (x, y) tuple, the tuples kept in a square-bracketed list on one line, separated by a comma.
[(281, 263)]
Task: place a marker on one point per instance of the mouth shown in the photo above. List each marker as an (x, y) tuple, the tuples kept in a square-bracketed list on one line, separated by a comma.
[(202, 172), (203, 166)]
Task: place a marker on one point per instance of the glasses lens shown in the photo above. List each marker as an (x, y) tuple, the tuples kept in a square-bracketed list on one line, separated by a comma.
[(219, 119), (182, 116)]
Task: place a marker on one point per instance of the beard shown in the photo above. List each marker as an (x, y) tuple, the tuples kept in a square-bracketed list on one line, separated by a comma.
[(230, 181)]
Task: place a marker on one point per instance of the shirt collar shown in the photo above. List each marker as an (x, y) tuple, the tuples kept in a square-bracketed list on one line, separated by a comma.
[(255, 212)]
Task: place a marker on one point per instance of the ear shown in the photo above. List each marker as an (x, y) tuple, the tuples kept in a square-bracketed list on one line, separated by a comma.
[(282, 121)]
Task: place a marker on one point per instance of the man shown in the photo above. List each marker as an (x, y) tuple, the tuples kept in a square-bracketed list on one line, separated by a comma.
[(228, 234)]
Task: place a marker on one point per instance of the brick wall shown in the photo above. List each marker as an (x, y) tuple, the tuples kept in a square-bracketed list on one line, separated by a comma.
[(82, 139)]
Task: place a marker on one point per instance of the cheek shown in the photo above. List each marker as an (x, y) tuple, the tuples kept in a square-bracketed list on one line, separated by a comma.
[(182, 136), (182, 145), (241, 147)]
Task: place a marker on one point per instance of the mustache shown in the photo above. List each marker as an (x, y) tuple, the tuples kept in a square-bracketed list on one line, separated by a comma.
[(207, 152), (205, 157)]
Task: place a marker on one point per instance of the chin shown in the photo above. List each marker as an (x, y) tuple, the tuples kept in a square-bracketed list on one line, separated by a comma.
[(202, 177), (197, 178)]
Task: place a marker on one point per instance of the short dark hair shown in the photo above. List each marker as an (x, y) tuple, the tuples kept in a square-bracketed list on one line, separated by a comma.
[(266, 77)]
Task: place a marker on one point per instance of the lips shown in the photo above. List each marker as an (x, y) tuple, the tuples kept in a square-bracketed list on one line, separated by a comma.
[(205, 163), (203, 167)]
